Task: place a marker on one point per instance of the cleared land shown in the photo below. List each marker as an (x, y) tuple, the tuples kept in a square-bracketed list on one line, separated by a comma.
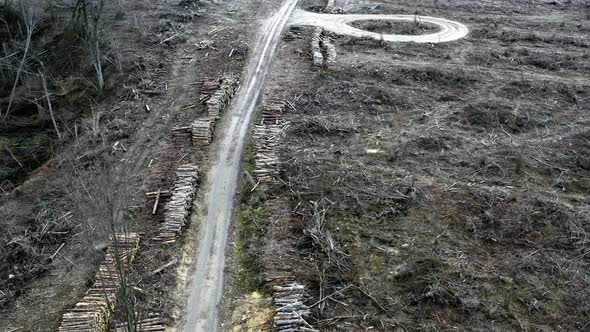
[(434, 187), (113, 150)]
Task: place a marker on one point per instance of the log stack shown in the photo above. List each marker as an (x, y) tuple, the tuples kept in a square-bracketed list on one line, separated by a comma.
[(202, 131), (267, 164), (266, 139), (316, 52), (216, 95), (153, 324), (330, 7), (272, 113), (94, 311), (181, 130), (289, 308), (219, 100), (208, 87), (178, 207), (323, 50), (329, 49)]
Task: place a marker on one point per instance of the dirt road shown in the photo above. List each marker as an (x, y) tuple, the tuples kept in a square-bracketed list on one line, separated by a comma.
[(207, 282)]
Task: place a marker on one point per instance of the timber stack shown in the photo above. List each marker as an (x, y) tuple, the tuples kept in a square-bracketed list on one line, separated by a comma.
[(316, 52), (216, 95), (266, 137), (271, 114), (178, 207), (330, 7), (94, 311), (218, 101), (153, 324), (323, 50), (329, 49), (181, 130), (202, 131), (289, 308), (208, 87)]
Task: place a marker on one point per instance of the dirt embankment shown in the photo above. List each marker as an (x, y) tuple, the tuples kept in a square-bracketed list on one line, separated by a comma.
[(451, 179)]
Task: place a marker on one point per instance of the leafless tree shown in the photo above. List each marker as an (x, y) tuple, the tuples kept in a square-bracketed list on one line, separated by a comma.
[(28, 20), (50, 108), (87, 16), (101, 203)]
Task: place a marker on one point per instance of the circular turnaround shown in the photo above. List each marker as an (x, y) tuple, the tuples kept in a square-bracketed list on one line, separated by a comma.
[(340, 24)]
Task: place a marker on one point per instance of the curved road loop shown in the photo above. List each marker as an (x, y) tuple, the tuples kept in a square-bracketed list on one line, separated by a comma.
[(207, 282), (340, 24)]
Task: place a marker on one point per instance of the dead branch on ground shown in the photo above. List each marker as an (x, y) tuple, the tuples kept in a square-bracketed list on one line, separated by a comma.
[(324, 240)]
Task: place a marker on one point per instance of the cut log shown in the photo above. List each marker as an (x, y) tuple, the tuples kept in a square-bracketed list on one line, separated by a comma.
[(156, 202)]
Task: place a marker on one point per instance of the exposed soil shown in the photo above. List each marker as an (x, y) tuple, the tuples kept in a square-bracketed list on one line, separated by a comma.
[(452, 178), (396, 27)]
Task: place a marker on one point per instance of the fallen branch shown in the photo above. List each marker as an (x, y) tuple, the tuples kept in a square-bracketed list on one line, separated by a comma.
[(330, 296), (12, 155), (169, 38), (55, 253), (163, 267)]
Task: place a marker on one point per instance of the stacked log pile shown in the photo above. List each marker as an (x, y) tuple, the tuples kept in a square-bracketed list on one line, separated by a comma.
[(316, 52), (93, 312), (323, 50), (208, 87), (219, 99), (202, 131), (216, 95), (289, 308), (266, 160), (181, 130), (154, 324), (272, 113), (266, 137), (330, 6), (329, 49), (178, 207)]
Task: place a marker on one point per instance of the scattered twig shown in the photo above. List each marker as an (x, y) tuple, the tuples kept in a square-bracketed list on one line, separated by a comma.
[(329, 296), (57, 251), (169, 38)]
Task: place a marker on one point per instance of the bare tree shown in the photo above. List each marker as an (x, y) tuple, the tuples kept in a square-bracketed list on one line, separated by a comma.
[(87, 15), (44, 81), (28, 19), (101, 201)]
